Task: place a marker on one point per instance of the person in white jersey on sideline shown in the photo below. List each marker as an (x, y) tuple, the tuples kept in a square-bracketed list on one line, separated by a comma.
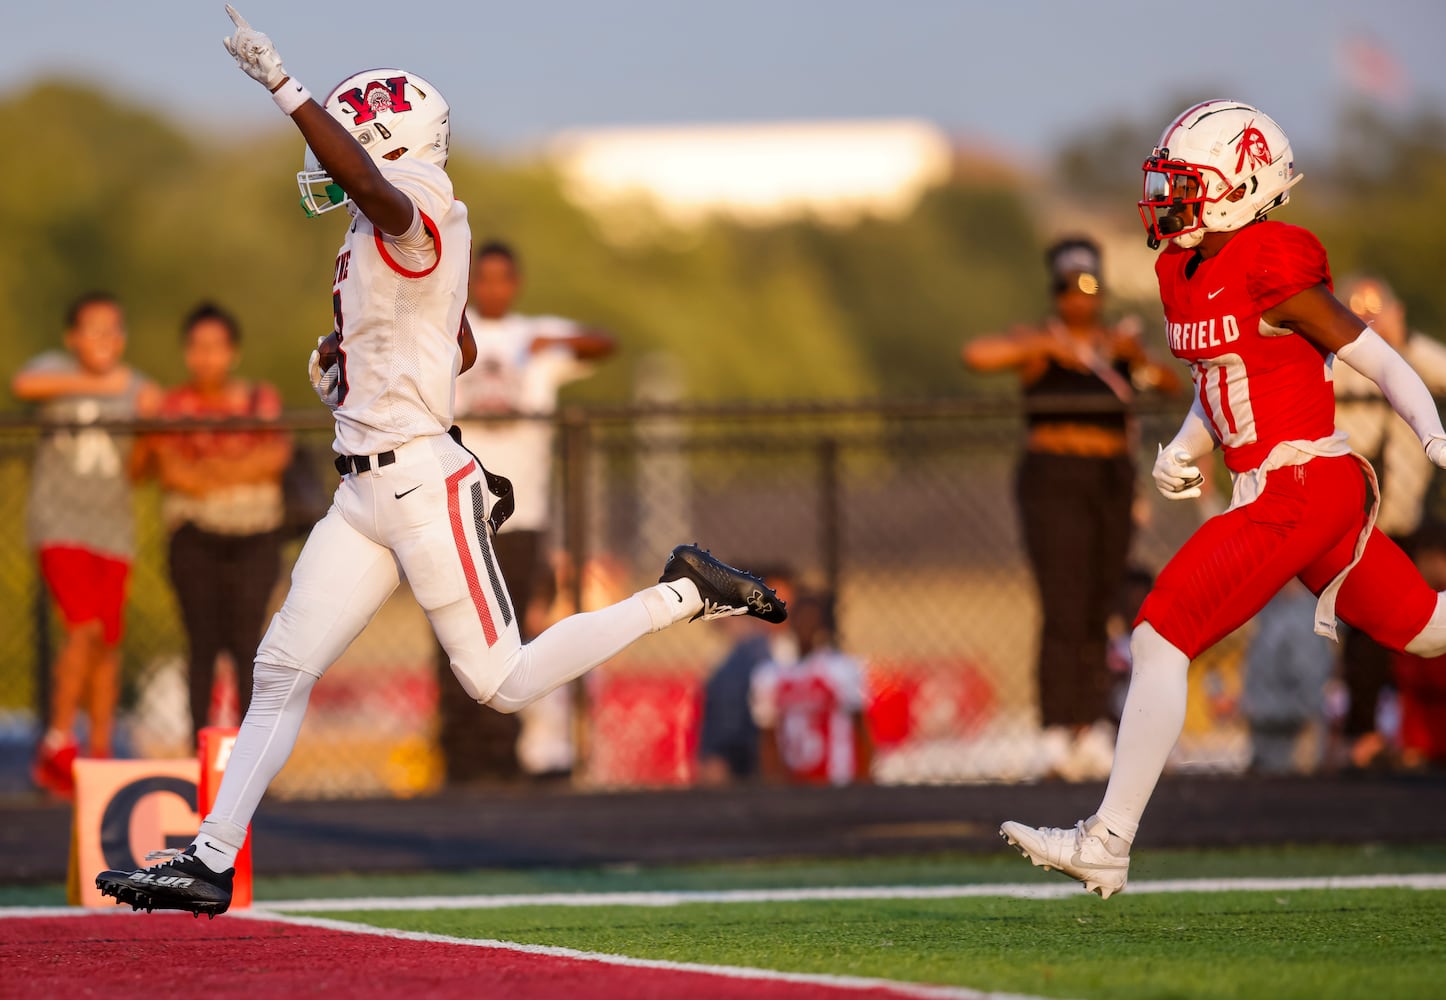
[(503, 406)]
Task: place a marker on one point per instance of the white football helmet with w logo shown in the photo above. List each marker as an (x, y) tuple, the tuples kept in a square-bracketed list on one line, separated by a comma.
[(393, 114), (1218, 166)]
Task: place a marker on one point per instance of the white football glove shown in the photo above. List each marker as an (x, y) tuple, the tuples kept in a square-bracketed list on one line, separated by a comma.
[(254, 53), (1175, 477), (326, 383), (1436, 451)]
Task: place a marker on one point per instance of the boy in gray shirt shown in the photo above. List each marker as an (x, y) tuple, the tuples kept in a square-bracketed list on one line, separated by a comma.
[(79, 520)]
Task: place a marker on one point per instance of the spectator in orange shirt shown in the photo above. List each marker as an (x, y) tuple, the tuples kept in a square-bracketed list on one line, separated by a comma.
[(222, 504)]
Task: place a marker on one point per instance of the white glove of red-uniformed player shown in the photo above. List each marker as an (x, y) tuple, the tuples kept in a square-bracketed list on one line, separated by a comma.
[(254, 53), (1175, 477), (1436, 451)]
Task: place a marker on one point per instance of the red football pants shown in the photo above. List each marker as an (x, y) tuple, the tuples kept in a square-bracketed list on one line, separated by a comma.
[(1305, 523)]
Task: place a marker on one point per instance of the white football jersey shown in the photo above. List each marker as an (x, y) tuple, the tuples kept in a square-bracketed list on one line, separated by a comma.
[(1388, 441), (511, 378), (397, 304)]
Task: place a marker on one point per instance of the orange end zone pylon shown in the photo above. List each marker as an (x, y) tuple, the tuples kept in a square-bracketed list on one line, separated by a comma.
[(124, 809), (214, 746)]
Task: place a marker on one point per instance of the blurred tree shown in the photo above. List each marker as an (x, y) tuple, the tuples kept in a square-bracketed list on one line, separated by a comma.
[(123, 201), (1103, 162), (964, 262), (110, 195), (1380, 201)]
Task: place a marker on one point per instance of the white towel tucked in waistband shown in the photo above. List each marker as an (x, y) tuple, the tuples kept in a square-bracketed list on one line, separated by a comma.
[(1249, 485)]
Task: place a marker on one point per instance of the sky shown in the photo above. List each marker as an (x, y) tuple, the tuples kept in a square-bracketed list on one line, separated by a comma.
[(1015, 75)]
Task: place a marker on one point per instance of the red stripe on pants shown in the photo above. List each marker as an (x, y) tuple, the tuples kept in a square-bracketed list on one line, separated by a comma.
[(459, 536)]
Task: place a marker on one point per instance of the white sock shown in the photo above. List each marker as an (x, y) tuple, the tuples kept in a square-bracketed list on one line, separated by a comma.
[(1097, 827), (264, 742), (573, 646), (214, 853), (57, 738), (671, 602), (1153, 716)]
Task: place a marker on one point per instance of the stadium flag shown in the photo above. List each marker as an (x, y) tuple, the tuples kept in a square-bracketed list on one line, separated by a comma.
[(123, 810), (1373, 70), (215, 743)]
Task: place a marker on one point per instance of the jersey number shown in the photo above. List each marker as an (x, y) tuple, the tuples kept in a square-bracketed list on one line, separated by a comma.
[(802, 741), (337, 325), (1224, 391)]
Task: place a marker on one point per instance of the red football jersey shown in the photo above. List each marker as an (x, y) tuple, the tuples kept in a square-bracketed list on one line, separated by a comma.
[(812, 705), (1258, 385)]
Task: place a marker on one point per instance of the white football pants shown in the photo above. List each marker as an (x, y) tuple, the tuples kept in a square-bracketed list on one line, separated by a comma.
[(422, 517)]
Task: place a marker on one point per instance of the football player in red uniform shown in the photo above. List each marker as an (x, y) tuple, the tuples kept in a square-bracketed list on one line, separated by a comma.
[(1249, 309)]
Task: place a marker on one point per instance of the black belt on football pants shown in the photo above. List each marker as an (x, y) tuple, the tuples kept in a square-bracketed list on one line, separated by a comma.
[(499, 486), (363, 463)]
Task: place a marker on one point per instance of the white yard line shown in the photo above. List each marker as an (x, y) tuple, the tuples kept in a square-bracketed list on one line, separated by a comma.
[(924, 992), (1055, 889)]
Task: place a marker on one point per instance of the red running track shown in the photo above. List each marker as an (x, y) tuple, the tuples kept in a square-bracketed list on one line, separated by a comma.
[(159, 956)]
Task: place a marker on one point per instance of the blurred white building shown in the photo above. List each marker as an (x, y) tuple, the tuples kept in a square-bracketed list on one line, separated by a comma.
[(759, 173)]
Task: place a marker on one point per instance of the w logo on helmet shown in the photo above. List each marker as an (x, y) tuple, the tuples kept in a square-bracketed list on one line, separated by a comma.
[(379, 96), (1252, 147)]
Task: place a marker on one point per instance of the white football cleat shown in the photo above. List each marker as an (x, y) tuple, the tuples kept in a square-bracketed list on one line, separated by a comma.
[(1079, 853)]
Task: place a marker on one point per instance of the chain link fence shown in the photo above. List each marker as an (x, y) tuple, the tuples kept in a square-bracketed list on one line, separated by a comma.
[(904, 511)]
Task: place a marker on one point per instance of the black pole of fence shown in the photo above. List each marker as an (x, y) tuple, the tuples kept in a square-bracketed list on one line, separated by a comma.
[(575, 462), (830, 534), (574, 489)]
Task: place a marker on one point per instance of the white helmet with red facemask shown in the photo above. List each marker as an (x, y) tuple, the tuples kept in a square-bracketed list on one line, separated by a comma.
[(393, 114), (1218, 166)]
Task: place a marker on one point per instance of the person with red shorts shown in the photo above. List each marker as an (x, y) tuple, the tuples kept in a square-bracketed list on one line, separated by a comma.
[(79, 520), (1249, 309)]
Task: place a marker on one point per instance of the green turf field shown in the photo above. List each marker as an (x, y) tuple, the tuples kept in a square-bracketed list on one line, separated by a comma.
[(1311, 945)]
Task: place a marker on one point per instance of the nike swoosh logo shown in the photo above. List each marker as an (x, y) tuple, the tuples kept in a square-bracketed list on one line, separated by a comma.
[(675, 592), (1214, 293), (405, 492)]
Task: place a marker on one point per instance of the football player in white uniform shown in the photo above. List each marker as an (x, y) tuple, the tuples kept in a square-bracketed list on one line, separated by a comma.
[(412, 501)]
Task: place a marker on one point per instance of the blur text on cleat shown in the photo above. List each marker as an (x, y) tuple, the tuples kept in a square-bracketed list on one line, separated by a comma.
[(182, 883)]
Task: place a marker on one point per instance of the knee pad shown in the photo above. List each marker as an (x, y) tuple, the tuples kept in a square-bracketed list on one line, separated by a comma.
[(271, 682), (464, 677), (507, 706)]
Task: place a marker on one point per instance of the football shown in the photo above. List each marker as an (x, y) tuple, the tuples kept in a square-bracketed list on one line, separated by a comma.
[(327, 352)]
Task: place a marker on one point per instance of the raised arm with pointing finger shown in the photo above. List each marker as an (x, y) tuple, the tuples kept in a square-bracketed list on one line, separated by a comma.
[(338, 152)]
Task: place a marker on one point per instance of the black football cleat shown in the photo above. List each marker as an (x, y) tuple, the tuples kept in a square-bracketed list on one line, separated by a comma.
[(182, 883), (725, 591)]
